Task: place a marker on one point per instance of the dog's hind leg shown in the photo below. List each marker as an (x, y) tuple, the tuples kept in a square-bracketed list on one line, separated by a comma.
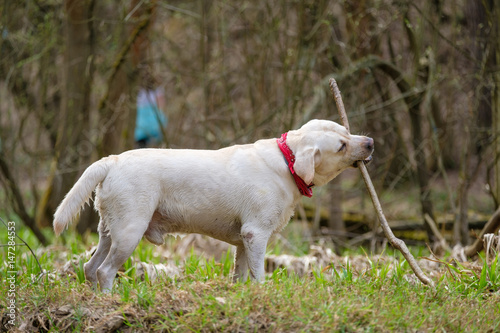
[(125, 241), (98, 257)]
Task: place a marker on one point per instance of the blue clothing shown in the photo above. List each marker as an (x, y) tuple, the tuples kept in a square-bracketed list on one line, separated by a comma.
[(150, 119)]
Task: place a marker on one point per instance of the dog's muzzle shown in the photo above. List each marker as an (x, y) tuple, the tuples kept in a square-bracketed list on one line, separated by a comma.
[(369, 146)]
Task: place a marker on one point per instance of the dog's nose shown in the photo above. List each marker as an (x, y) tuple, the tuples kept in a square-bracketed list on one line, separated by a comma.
[(369, 144)]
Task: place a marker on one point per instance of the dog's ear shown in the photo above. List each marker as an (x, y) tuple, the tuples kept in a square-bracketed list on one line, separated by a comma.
[(305, 163)]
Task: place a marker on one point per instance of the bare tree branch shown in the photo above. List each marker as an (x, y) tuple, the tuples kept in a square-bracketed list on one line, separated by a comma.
[(491, 227), (17, 201)]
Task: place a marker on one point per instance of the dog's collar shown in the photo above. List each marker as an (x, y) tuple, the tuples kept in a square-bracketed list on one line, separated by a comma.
[(304, 189)]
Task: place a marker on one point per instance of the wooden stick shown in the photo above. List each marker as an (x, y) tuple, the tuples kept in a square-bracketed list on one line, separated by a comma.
[(436, 232), (396, 242)]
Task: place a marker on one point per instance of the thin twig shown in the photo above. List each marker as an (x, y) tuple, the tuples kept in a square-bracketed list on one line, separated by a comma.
[(396, 243), (436, 232)]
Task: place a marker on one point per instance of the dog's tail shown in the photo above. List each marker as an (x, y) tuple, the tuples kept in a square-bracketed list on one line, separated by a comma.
[(80, 193)]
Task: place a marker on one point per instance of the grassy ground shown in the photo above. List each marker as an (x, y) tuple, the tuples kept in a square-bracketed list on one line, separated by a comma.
[(379, 296)]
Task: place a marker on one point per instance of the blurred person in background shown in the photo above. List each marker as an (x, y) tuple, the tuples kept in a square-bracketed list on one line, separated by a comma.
[(151, 120)]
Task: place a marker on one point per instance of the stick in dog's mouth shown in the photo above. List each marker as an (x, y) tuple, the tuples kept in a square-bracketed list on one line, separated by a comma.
[(366, 161)]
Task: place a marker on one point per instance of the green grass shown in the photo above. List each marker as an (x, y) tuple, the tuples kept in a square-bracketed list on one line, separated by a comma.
[(338, 297)]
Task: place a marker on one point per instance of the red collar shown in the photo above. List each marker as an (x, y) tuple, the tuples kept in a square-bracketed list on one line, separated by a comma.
[(290, 161)]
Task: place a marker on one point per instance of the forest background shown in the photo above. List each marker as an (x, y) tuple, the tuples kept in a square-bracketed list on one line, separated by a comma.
[(421, 78)]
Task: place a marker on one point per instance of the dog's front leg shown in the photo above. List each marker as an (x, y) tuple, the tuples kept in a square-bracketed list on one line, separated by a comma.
[(240, 264), (255, 243)]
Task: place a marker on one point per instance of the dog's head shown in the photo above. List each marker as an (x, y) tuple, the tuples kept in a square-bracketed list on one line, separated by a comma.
[(323, 149)]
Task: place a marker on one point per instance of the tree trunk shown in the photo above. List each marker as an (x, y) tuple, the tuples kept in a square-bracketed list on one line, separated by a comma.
[(117, 107), (496, 99), (422, 171), (476, 138), (71, 150), (205, 52), (417, 134), (413, 102)]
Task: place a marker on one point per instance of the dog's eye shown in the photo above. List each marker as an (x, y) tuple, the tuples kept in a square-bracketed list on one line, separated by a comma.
[(342, 147)]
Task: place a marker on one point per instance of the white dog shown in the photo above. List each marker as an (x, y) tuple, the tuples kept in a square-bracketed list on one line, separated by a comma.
[(241, 194)]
